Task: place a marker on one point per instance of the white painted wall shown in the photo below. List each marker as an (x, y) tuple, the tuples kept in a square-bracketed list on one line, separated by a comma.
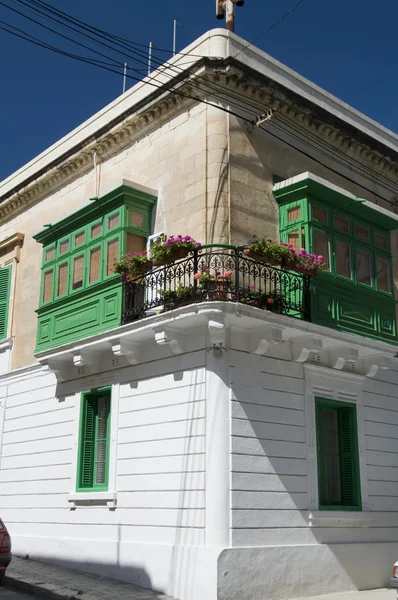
[(280, 549), (156, 535), (214, 468)]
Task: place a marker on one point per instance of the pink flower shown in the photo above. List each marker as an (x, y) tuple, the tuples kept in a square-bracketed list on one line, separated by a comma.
[(197, 275), (320, 258), (270, 301)]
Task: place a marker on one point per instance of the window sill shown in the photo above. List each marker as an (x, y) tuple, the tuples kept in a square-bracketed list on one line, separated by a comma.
[(339, 518), (6, 344), (108, 499)]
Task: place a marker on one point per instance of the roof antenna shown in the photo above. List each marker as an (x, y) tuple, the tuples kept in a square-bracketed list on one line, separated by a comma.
[(228, 7)]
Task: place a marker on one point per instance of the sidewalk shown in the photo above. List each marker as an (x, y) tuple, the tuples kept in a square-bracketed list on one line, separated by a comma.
[(384, 594), (58, 583)]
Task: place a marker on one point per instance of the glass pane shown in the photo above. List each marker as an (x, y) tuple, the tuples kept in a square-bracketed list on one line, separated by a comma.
[(343, 259), (137, 219), (113, 221), (101, 440), (319, 214), (62, 279), (321, 247), (50, 254), (79, 238), (341, 224), (48, 286), (96, 230), (383, 275), (64, 246), (78, 272), (363, 267), (135, 243), (293, 238), (293, 214), (361, 233), (303, 237), (331, 455), (380, 240), (95, 265), (112, 256)]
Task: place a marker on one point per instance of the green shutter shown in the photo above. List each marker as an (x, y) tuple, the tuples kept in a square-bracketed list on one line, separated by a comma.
[(94, 439), (348, 452), (87, 455), (5, 282), (348, 456), (322, 488)]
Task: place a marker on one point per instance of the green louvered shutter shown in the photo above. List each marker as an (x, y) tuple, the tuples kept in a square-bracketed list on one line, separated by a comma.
[(349, 457), (5, 282), (87, 450)]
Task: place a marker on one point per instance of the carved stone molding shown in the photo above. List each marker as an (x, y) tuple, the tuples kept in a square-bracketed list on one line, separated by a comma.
[(127, 349), (173, 338)]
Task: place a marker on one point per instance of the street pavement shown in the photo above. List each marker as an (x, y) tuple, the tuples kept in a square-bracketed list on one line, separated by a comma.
[(7, 594), (58, 583)]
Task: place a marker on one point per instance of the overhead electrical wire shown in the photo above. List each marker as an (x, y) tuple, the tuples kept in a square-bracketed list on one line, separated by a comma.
[(270, 27), (121, 42)]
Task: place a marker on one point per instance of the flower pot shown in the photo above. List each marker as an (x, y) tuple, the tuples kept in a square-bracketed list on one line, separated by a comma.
[(217, 290), (254, 255), (178, 254), (141, 269), (158, 262), (274, 262)]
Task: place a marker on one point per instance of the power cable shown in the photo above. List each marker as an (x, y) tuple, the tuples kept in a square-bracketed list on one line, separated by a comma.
[(102, 64), (270, 27)]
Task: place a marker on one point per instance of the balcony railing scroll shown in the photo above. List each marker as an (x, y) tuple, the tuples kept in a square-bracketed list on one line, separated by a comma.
[(217, 273)]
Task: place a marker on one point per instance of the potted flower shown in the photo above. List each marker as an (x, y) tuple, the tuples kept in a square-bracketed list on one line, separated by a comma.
[(216, 286), (173, 248), (272, 301), (133, 265), (272, 253), (303, 261), (181, 296)]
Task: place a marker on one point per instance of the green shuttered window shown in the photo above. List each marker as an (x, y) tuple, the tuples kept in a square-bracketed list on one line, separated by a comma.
[(94, 441), (338, 464), (5, 284)]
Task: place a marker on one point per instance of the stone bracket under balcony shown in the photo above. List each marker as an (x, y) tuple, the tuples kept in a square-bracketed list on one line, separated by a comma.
[(216, 327)]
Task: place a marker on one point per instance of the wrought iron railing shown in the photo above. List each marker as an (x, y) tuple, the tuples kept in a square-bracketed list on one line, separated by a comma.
[(217, 272)]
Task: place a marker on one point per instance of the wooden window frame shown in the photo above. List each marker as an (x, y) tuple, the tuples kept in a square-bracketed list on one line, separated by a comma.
[(5, 297), (89, 455), (352, 462), (118, 232)]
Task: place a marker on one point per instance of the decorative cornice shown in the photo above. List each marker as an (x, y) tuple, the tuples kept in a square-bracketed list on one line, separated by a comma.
[(286, 104), (82, 162), (234, 78), (12, 243)]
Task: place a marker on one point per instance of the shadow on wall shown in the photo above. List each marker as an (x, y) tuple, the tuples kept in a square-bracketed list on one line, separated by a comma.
[(131, 574)]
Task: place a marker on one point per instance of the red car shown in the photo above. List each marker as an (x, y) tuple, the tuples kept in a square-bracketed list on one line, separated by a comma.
[(5, 550)]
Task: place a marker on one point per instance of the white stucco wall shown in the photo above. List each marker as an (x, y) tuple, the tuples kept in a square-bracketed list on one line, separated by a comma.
[(156, 535), (213, 465)]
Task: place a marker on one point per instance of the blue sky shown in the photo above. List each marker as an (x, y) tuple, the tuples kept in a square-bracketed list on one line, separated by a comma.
[(348, 48)]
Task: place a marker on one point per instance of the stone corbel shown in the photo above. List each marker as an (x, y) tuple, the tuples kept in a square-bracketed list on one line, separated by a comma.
[(308, 349), (127, 349), (58, 367), (86, 361), (173, 338), (372, 365), (217, 332), (346, 359), (266, 338)]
